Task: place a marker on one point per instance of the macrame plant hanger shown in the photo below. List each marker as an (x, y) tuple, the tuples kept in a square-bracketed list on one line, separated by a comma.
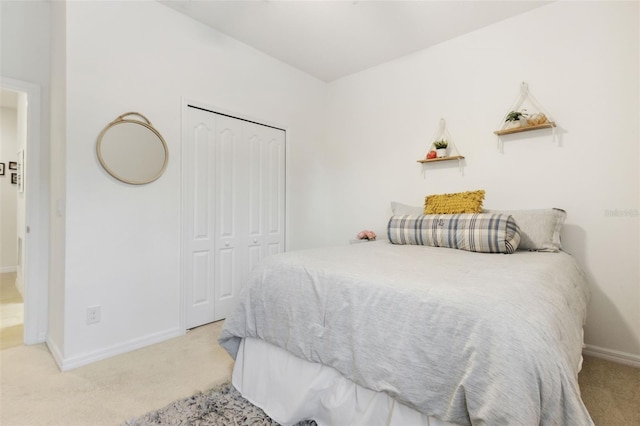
[(443, 134), (525, 95)]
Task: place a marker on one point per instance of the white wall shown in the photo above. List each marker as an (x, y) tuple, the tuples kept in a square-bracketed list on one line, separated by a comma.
[(8, 192), (123, 242), (580, 60)]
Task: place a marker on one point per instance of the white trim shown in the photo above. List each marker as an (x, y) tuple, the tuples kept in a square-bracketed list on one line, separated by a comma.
[(7, 269), (219, 110), (36, 268), (54, 351), (183, 215), (612, 355), (118, 349)]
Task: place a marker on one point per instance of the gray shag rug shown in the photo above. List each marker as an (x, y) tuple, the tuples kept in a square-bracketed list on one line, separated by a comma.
[(220, 406)]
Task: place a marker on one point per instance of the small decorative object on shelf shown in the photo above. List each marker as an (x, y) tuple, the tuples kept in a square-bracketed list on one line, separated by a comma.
[(441, 148), (537, 119), (517, 119), (366, 235)]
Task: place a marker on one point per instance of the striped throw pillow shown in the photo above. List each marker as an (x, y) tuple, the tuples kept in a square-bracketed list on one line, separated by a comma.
[(478, 232)]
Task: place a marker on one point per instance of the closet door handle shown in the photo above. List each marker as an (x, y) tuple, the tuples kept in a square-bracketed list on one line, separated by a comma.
[(255, 240), (226, 243)]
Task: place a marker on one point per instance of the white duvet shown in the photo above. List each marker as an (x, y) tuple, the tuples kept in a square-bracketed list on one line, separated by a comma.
[(468, 338)]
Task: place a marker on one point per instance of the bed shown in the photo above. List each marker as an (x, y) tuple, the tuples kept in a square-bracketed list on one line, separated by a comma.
[(381, 333)]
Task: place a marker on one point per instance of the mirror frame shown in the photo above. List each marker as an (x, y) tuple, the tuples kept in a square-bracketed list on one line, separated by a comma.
[(147, 124)]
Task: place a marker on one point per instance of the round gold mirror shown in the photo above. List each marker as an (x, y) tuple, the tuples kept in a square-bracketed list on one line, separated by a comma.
[(132, 151)]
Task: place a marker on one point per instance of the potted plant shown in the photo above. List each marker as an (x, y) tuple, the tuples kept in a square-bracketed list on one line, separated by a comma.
[(517, 118), (441, 148)]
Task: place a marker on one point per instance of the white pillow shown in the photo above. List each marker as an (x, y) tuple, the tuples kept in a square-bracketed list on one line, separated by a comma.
[(399, 209), (539, 228)]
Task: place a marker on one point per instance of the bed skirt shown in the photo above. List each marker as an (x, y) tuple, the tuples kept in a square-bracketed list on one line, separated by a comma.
[(290, 389)]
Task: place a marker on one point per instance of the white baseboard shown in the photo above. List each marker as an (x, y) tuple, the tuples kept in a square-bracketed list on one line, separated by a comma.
[(612, 355), (70, 363), (6, 269), (54, 351)]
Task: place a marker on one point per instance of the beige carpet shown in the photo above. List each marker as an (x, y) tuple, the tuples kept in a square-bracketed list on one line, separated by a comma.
[(611, 392), (34, 392), (11, 312)]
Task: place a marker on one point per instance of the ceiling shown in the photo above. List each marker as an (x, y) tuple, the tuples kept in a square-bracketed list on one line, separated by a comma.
[(331, 39)]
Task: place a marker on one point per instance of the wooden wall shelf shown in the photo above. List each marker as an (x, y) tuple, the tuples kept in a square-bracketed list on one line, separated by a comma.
[(525, 129), (433, 160)]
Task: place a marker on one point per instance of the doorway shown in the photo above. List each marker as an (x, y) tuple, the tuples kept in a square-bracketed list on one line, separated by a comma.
[(31, 264), (11, 207)]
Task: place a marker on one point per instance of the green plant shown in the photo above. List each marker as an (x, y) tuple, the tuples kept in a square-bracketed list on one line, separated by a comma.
[(516, 115), (441, 144)]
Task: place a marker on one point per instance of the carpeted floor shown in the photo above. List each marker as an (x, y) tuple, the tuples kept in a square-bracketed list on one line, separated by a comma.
[(611, 392), (11, 312), (34, 392)]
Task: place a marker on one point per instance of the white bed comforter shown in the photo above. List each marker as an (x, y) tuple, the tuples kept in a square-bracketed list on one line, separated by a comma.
[(468, 338)]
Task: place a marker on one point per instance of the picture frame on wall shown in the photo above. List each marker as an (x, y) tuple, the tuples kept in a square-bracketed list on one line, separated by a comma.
[(1, 169), (13, 165), (14, 178)]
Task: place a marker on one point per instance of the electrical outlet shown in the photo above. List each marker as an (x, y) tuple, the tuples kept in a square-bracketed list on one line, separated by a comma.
[(93, 314)]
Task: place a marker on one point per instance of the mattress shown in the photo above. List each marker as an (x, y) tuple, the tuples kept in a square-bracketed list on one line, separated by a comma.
[(462, 337)]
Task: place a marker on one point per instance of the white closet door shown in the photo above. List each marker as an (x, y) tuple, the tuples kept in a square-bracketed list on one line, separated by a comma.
[(231, 213), (235, 208), (199, 222), (266, 192)]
